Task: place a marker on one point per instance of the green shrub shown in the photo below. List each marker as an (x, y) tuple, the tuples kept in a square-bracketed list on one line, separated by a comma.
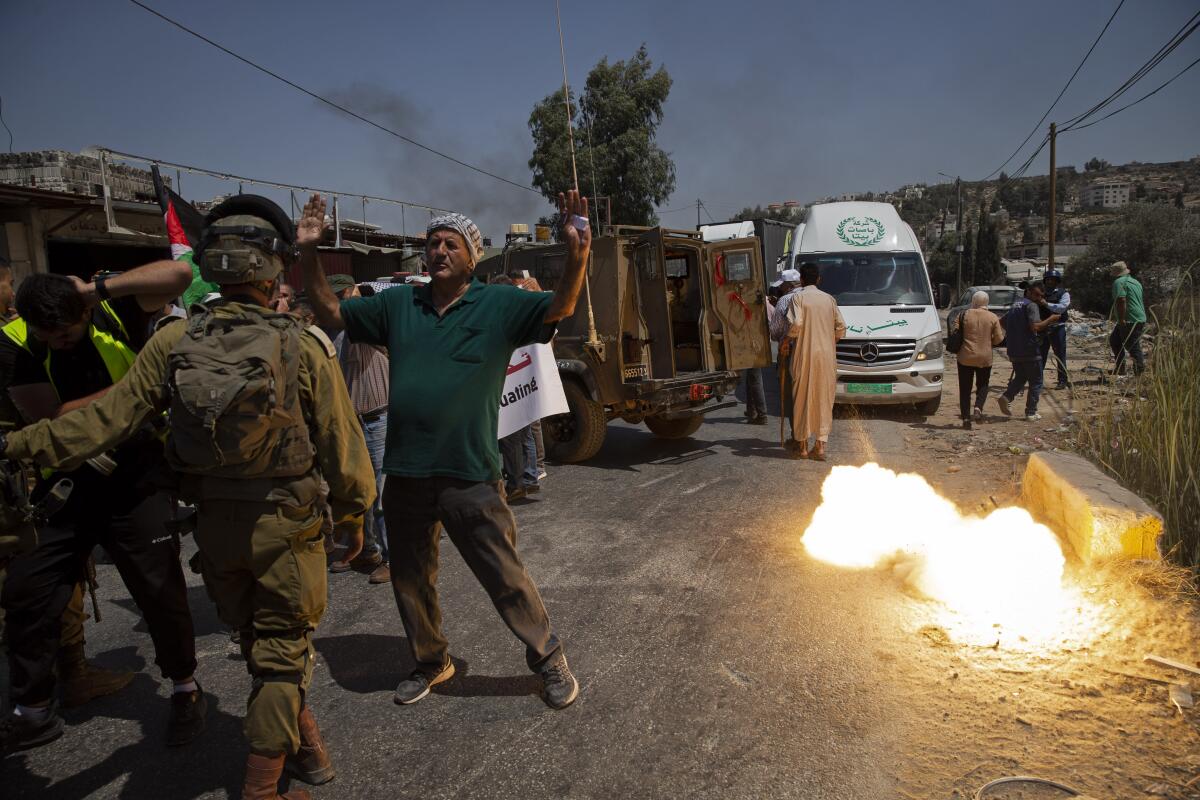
[(1147, 435)]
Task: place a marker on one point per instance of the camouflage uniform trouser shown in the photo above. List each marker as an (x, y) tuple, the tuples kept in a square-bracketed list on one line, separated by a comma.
[(264, 567)]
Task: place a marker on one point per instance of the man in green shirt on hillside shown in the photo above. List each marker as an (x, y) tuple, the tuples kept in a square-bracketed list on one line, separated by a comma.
[(1129, 313), (449, 344)]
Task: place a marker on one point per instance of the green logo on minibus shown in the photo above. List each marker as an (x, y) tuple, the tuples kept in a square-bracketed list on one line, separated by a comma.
[(860, 231)]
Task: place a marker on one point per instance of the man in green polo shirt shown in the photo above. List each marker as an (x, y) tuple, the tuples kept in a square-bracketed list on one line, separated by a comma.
[(1129, 313), (449, 344)]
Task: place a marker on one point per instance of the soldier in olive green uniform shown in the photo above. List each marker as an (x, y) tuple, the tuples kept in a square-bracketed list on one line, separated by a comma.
[(253, 470)]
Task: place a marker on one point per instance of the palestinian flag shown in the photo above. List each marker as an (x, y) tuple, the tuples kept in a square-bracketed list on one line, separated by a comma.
[(184, 224)]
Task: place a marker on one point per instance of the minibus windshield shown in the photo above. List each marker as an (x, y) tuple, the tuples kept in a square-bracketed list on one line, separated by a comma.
[(872, 279)]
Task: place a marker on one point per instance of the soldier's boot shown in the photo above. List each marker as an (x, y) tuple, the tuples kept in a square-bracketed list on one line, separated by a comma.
[(262, 780), (82, 682), (311, 763)]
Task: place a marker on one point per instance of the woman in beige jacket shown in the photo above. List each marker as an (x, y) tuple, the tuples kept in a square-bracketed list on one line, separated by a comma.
[(981, 332)]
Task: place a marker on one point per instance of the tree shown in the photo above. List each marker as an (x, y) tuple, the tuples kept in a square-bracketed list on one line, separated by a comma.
[(943, 261), (968, 256), (1095, 164), (987, 248), (1157, 241), (758, 212), (622, 103)]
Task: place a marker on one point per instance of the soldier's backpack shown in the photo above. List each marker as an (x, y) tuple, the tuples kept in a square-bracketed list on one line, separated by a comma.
[(235, 396)]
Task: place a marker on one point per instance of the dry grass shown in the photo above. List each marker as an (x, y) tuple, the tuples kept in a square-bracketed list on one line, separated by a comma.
[(1147, 433), (1124, 578)]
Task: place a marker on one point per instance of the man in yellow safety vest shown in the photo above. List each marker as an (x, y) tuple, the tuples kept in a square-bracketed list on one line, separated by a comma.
[(71, 344)]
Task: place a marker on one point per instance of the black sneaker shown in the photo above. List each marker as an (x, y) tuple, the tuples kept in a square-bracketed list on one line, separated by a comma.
[(559, 687), (20, 733), (186, 722), (416, 686), (761, 419)]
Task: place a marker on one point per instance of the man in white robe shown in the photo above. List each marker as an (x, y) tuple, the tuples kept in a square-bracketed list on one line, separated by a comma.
[(814, 324)]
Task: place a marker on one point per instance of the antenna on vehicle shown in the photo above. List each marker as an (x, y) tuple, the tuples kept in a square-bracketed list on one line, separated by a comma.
[(593, 340)]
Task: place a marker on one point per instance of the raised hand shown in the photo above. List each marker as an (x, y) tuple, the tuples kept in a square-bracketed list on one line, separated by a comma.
[(573, 207), (87, 291), (311, 226)]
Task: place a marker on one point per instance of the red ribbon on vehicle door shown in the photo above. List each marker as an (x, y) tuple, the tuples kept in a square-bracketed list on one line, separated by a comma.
[(734, 297)]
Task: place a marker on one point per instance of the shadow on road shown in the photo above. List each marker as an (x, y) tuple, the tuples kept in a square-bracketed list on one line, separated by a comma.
[(204, 613), (893, 413), (211, 764), (628, 448), (949, 426), (464, 684), (354, 664), (762, 448), (365, 662)]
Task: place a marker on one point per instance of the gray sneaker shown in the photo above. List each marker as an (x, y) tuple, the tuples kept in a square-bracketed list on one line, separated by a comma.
[(559, 686), (416, 686)]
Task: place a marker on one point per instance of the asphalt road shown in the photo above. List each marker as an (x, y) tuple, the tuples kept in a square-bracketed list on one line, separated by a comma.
[(715, 658)]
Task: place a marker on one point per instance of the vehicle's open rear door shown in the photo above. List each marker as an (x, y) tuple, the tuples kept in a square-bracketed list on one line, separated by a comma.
[(734, 275), (651, 285)]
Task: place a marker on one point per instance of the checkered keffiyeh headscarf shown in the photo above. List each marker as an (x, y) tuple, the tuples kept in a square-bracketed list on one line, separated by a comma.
[(463, 227)]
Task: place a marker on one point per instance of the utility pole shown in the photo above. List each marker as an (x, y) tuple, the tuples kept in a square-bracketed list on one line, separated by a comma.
[(337, 223), (697, 213), (110, 220), (958, 236), (1053, 196)]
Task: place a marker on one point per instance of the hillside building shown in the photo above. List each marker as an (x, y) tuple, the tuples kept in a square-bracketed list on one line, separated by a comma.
[(78, 174), (1109, 194)]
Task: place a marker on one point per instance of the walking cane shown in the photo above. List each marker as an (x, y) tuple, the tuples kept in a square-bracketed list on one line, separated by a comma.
[(785, 352)]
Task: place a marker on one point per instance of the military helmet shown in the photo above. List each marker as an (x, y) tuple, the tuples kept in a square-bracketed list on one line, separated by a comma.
[(246, 238), (1052, 273)]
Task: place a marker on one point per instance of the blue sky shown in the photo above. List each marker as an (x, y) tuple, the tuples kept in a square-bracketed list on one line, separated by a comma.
[(770, 102)]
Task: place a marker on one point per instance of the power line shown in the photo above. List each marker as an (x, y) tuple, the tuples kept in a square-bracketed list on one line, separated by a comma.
[(1074, 123), (1164, 51), (329, 102), (228, 176), (1135, 102), (1038, 125)]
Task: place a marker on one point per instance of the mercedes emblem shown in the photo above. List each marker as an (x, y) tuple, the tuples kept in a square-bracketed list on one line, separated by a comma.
[(869, 352)]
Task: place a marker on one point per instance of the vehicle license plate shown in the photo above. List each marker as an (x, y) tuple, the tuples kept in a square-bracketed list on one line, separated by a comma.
[(868, 388)]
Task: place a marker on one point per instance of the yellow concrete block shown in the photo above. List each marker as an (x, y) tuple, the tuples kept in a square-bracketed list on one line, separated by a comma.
[(1092, 514)]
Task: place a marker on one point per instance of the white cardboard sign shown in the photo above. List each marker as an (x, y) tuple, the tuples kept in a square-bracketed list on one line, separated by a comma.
[(532, 389)]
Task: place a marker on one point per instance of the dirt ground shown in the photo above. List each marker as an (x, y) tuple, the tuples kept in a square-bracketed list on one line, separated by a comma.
[(1084, 709)]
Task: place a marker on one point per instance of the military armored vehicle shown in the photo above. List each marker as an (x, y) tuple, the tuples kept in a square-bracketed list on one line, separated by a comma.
[(664, 325)]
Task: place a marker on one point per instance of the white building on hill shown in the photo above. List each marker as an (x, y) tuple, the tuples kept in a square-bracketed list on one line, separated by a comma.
[(1110, 194)]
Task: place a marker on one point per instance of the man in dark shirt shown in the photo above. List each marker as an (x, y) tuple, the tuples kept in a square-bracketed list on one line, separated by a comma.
[(449, 344), (1023, 323), (72, 343)]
